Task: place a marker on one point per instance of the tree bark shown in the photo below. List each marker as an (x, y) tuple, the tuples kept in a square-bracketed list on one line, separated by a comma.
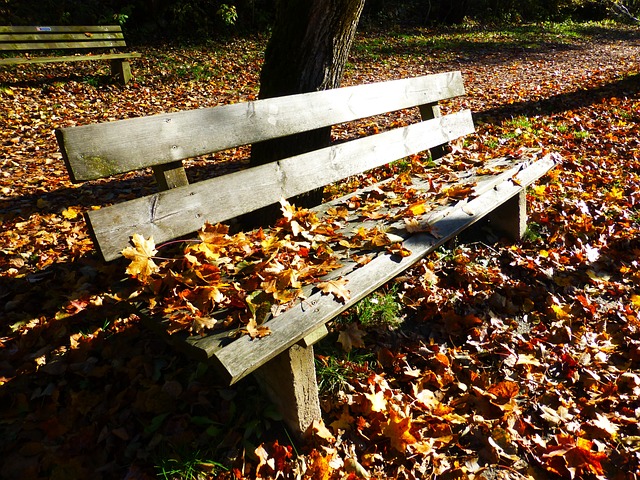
[(307, 51)]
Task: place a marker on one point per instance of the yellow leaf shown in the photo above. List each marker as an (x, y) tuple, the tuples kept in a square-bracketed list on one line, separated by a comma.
[(540, 189), (561, 311), (614, 194), (635, 300), (70, 213), (141, 256)]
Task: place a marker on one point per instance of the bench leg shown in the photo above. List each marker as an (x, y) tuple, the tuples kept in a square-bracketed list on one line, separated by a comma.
[(511, 216), (290, 381), (121, 69)]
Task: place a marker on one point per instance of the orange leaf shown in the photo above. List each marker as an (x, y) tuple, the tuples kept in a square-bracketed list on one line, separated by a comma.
[(398, 430)]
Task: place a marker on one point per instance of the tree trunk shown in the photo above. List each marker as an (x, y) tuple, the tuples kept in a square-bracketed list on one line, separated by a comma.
[(307, 51)]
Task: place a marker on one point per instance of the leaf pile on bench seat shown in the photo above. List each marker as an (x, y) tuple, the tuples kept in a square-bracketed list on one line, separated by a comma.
[(221, 281), (238, 278)]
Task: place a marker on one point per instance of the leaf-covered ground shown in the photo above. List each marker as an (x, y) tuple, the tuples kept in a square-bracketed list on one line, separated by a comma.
[(513, 360)]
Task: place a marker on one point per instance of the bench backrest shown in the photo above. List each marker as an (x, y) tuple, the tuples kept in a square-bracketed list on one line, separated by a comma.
[(60, 37), (163, 141)]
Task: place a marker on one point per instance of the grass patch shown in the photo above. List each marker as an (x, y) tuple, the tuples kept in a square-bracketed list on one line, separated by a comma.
[(378, 309), (187, 464), (337, 369)]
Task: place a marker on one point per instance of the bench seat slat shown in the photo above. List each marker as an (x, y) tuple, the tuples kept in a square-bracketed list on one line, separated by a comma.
[(180, 211), (176, 136), (242, 356), (68, 58)]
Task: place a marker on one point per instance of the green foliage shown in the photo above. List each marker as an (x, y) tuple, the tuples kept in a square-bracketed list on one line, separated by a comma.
[(336, 371), (378, 309), (228, 14), (187, 464)]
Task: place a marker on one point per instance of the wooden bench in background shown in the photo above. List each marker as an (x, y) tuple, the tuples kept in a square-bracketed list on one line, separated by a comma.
[(56, 38), (284, 361)]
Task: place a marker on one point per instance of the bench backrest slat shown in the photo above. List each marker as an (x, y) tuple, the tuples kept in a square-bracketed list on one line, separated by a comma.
[(102, 150), (180, 211), (48, 38), (60, 29)]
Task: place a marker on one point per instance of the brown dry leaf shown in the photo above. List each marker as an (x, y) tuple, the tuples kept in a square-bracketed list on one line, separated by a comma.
[(504, 391), (398, 250), (338, 288), (256, 331), (351, 337), (141, 256)]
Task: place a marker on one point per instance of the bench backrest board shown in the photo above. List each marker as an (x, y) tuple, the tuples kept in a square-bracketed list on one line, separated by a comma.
[(102, 150), (60, 37)]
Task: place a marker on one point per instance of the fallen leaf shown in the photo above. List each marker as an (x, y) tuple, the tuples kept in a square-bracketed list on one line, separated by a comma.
[(141, 255), (337, 288), (351, 337), (398, 430)]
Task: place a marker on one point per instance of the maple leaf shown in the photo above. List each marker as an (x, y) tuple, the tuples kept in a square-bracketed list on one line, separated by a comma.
[(398, 430), (214, 234), (351, 337), (377, 400), (141, 255), (344, 421), (603, 423), (337, 288), (574, 457), (256, 331), (398, 250), (319, 430), (460, 192), (200, 324), (70, 213)]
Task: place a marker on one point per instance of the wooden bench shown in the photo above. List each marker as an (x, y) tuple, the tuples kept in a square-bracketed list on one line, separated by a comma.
[(283, 361), (99, 38)]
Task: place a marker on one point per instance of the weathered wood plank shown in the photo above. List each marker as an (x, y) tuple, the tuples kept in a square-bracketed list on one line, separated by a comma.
[(176, 212), (60, 28), (63, 45), (7, 39), (90, 151), (242, 356), (68, 58)]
